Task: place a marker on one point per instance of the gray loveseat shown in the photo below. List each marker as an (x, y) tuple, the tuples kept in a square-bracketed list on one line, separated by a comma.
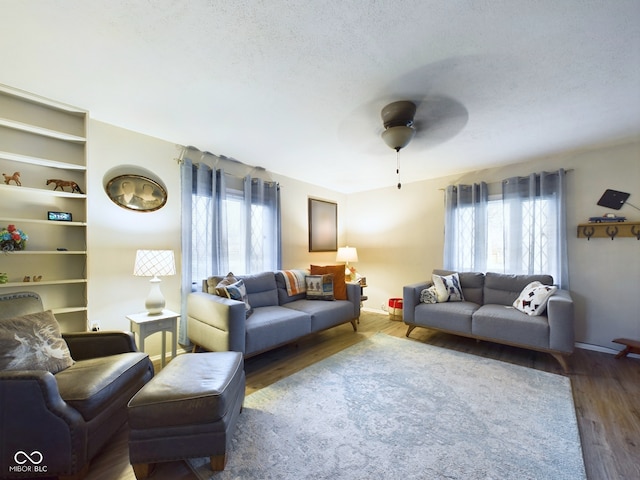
[(487, 313), (220, 324)]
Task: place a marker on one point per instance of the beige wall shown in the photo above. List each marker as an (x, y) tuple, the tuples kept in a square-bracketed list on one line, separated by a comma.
[(399, 234), (114, 233)]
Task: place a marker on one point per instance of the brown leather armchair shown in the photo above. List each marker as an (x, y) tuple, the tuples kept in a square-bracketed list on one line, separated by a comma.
[(53, 425)]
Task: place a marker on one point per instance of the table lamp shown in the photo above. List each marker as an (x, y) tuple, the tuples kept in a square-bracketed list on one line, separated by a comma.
[(154, 263), (347, 254)]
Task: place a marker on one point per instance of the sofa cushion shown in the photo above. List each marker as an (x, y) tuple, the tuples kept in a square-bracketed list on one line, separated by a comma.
[(274, 325), (33, 342), (454, 316), (507, 324), (533, 298), (261, 289), (448, 288), (339, 284), (90, 385), (472, 284), (324, 314), (503, 289), (319, 287)]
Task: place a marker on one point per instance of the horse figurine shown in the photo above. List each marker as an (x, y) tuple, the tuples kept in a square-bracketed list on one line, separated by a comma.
[(64, 183), (15, 177)]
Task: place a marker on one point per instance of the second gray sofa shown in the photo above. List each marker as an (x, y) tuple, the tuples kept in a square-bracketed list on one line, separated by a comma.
[(487, 313), (220, 324)]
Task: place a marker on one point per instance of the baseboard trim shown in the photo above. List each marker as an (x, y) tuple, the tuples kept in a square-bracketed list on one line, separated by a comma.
[(598, 348)]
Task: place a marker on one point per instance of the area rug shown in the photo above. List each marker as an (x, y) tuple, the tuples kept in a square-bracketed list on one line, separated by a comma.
[(389, 408)]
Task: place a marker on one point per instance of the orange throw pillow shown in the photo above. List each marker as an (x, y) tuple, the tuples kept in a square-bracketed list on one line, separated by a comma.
[(339, 285)]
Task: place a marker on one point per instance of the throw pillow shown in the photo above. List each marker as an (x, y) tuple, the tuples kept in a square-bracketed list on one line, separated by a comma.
[(448, 288), (319, 287), (33, 342), (238, 291), (429, 295), (339, 284), (533, 298), (222, 284)]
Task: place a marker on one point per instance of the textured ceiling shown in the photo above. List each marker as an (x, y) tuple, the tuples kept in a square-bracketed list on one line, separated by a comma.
[(297, 86)]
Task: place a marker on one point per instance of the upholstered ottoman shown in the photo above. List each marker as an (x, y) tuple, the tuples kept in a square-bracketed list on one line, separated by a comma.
[(188, 410)]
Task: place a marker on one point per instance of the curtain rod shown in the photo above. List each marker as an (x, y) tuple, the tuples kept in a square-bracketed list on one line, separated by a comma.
[(500, 181)]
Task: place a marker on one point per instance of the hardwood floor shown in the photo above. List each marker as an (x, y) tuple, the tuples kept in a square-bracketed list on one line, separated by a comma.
[(606, 393)]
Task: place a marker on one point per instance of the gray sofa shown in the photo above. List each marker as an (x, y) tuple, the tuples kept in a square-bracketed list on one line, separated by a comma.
[(487, 313), (220, 324), (67, 417)]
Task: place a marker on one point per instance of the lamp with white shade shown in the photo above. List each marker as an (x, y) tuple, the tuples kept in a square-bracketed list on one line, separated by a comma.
[(154, 263), (347, 254)]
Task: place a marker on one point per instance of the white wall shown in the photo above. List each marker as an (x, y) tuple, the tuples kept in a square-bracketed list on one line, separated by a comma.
[(400, 237)]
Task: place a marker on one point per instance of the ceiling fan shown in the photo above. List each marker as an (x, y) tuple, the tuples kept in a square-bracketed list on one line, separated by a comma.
[(440, 118)]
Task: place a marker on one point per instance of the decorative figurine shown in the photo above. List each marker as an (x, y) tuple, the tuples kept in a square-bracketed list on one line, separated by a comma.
[(64, 183), (15, 177)]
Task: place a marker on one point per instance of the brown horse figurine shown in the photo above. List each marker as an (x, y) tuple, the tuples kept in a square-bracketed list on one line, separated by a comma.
[(64, 183), (15, 177)]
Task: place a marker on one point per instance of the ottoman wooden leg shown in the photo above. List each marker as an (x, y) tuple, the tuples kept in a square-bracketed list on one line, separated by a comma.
[(143, 470), (218, 462)]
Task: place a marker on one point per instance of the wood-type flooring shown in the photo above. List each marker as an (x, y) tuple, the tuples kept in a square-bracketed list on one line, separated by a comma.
[(606, 393)]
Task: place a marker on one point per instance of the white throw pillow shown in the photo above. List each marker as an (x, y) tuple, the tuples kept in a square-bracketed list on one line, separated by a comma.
[(448, 288), (533, 298), (429, 295)]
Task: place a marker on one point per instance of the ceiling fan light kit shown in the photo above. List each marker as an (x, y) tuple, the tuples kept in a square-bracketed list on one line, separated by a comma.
[(398, 137), (397, 118)]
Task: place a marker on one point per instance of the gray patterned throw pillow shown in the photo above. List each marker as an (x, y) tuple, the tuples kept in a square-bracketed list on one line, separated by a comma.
[(33, 342)]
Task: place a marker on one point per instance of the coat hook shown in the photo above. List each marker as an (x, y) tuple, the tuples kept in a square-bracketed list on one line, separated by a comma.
[(634, 232), (613, 232), (588, 232)]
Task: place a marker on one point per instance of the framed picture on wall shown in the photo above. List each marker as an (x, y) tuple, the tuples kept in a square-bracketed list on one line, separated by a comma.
[(323, 226), (135, 192)]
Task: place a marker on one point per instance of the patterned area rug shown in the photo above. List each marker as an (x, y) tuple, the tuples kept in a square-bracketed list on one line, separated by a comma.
[(389, 408)]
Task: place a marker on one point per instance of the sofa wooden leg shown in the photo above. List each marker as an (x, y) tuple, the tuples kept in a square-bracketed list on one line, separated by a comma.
[(218, 462), (410, 329), (354, 325), (562, 361), (143, 470)]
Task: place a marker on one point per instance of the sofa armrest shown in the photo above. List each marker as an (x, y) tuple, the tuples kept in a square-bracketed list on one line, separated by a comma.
[(30, 405), (216, 323), (85, 345), (354, 295), (561, 321), (411, 298)]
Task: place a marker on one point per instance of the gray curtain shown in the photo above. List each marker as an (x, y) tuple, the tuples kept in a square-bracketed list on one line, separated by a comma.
[(229, 222), (465, 232), (535, 234)]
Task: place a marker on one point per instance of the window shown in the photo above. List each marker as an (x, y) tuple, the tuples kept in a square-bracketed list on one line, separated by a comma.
[(520, 231)]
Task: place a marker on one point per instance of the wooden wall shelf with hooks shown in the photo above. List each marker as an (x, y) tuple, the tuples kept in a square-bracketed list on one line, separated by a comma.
[(610, 230)]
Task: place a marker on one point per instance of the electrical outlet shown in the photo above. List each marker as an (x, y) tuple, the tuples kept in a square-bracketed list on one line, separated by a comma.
[(95, 326)]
